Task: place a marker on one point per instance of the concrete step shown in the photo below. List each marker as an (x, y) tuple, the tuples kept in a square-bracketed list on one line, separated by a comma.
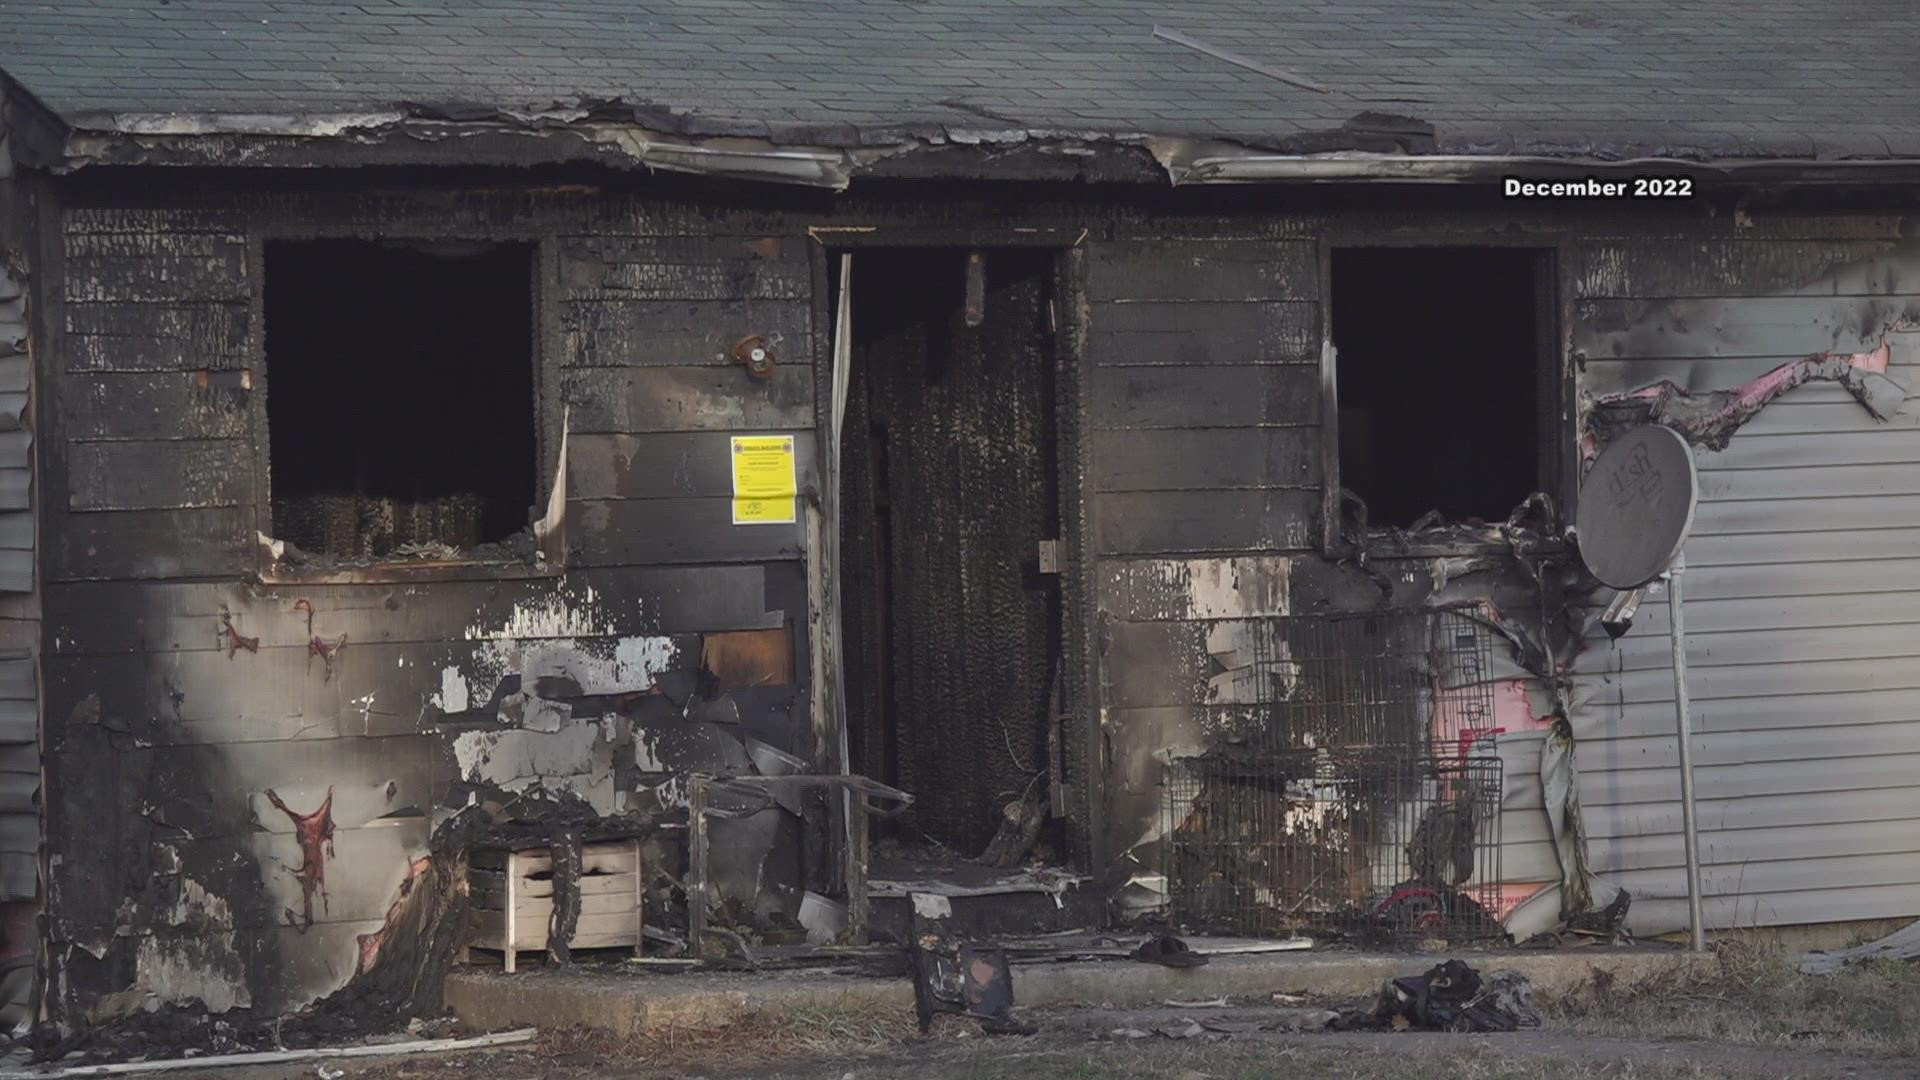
[(625, 999)]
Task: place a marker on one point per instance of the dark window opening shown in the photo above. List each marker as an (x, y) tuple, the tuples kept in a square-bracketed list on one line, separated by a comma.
[(400, 396), (1438, 377)]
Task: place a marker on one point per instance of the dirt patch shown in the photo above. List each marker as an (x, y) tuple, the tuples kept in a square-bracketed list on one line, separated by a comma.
[(1752, 995), (753, 1037), (959, 1055)]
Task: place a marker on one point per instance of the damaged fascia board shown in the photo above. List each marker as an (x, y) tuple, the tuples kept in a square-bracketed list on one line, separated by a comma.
[(210, 139), (1207, 161), (744, 158)]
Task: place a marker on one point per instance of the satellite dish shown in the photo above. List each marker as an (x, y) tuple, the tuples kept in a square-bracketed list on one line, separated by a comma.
[(1636, 506)]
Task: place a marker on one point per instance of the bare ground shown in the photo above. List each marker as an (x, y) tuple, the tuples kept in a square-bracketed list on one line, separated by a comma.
[(1331, 1056), (1748, 1014)]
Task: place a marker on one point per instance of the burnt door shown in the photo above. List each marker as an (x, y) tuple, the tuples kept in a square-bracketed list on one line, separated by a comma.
[(949, 486)]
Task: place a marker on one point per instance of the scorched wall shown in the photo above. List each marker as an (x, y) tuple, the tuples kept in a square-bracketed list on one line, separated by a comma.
[(184, 759), (236, 807)]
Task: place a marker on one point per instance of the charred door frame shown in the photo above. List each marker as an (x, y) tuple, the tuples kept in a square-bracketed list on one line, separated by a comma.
[(547, 357), (1085, 786), (1557, 403)]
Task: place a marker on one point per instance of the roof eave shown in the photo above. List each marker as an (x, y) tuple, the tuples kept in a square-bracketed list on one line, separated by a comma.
[(392, 137)]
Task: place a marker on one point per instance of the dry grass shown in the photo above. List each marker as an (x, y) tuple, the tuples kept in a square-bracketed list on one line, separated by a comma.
[(752, 1041), (1263, 1060), (1751, 994), (749, 1038)]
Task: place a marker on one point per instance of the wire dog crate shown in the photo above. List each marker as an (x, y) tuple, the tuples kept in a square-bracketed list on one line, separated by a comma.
[(1364, 801)]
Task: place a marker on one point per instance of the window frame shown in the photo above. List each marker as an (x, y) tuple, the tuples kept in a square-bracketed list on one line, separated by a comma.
[(1555, 372), (546, 414)]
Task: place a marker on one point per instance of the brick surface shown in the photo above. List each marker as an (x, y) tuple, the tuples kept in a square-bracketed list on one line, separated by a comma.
[(1606, 76)]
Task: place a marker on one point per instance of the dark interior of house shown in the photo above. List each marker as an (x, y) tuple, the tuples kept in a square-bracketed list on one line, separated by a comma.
[(949, 486), (400, 395), (1439, 371)]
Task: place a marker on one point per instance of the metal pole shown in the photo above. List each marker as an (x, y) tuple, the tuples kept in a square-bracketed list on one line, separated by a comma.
[(1697, 935)]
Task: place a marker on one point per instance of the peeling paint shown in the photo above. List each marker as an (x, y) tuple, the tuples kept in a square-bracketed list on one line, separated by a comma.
[(555, 615), (206, 967), (453, 691), (576, 758)]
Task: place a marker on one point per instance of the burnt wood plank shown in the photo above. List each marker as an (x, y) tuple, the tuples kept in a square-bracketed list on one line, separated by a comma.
[(1171, 522), (153, 243), (144, 279), (1237, 587), (82, 220), (1198, 332), (664, 465), (654, 531), (619, 332), (102, 618), (633, 400), (173, 405), (1245, 586), (155, 337), (1216, 396), (281, 693), (151, 544), (1185, 459), (1196, 663), (693, 268), (1202, 270), (159, 475)]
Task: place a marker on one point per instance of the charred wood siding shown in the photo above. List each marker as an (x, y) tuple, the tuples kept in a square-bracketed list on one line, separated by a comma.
[(191, 719), (655, 395), (1203, 413), (154, 316), (1202, 347)]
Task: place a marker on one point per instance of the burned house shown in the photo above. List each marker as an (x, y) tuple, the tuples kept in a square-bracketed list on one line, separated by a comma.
[(1149, 444)]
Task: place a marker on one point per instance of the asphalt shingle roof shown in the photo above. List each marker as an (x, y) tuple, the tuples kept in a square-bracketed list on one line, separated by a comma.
[(1772, 77)]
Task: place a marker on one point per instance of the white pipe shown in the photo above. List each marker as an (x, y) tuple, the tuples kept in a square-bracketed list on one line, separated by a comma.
[(1696, 930), (1466, 168)]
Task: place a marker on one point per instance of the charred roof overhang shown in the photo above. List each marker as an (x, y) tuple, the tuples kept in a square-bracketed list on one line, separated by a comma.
[(833, 156)]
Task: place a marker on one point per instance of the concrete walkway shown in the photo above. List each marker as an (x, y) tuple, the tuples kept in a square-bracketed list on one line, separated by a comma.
[(625, 999)]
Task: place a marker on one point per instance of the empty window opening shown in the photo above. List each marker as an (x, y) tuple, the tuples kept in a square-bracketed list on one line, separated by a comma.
[(400, 395), (1438, 377)]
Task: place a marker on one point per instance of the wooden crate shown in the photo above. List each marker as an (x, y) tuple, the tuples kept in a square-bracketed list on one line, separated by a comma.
[(512, 896)]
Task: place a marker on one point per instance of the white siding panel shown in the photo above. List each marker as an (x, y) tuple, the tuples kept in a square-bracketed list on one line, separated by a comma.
[(1803, 615)]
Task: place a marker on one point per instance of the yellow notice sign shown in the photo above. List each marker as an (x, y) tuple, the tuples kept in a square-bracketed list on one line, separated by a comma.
[(763, 480)]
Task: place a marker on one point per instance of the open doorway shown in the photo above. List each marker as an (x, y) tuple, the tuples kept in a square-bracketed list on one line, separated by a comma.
[(949, 487)]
